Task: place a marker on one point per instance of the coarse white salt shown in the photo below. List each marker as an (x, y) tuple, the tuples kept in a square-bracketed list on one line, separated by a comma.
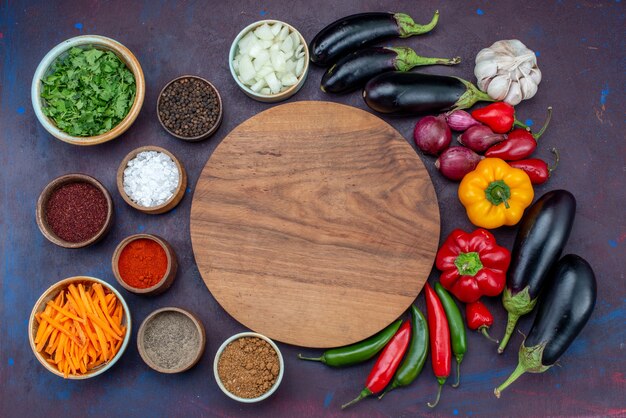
[(151, 178)]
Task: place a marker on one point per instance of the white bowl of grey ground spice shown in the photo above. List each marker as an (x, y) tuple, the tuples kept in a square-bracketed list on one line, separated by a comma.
[(151, 179), (171, 340), (248, 367)]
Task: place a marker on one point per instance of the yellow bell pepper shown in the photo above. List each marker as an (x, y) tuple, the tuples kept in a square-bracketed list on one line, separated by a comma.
[(495, 194)]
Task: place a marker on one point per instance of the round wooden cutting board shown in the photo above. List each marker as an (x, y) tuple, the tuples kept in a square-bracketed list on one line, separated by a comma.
[(315, 224)]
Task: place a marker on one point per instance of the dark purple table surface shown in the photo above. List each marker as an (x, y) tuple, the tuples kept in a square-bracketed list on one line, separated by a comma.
[(580, 46)]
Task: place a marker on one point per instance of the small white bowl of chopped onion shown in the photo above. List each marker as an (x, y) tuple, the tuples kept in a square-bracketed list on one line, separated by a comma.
[(269, 60)]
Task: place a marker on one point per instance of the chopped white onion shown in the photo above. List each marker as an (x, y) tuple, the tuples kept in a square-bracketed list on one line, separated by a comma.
[(269, 59)]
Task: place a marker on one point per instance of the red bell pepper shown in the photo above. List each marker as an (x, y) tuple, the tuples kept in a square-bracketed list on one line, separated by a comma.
[(519, 144), (472, 265), (499, 116)]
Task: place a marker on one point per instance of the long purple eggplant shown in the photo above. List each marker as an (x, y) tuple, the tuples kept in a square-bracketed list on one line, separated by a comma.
[(564, 308), (355, 31), (541, 237), (398, 93), (355, 69)]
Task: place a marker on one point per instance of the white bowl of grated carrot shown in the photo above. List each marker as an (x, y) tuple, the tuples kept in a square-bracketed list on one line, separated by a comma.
[(79, 327)]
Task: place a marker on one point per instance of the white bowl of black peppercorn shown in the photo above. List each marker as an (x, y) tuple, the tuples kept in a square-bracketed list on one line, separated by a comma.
[(190, 108)]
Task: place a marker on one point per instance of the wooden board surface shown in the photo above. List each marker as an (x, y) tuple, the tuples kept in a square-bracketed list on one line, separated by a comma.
[(315, 224)]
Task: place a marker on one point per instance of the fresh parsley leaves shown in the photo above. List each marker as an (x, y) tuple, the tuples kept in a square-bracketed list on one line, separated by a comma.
[(88, 92)]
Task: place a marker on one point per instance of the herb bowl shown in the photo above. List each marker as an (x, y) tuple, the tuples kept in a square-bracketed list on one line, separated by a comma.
[(42, 204), (219, 381), (59, 52), (166, 206), (49, 295), (182, 334), (170, 273), (268, 98)]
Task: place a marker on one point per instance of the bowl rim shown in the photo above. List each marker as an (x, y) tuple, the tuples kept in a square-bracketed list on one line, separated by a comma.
[(213, 128), (42, 200), (283, 95), (40, 302), (127, 57), (163, 284), (276, 384), (201, 342), (178, 193)]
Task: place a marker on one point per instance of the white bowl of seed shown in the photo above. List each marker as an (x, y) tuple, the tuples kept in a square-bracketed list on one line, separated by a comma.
[(248, 367)]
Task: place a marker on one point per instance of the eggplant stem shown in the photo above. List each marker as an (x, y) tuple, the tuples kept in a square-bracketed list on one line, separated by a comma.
[(432, 405), (545, 124), (407, 27), (519, 370), (471, 96), (556, 161), (485, 331), (510, 327), (407, 58)]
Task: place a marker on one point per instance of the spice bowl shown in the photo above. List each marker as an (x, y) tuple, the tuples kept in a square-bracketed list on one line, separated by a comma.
[(203, 116), (144, 264), (39, 312), (256, 351), (258, 95), (61, 51), (62, 215), (171, 340), (176, 193)]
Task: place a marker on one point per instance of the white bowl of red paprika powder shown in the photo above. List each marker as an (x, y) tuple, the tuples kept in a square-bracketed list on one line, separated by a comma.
[(74, 211), (144, 264)]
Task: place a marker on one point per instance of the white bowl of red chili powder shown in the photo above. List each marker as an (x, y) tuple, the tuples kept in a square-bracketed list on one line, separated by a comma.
[(74, 211), (144, 264)]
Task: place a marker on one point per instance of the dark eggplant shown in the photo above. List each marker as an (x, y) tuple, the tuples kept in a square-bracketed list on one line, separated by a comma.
[(542, 234), (355, 31), (355, 69), (564, 308), (401, 93)]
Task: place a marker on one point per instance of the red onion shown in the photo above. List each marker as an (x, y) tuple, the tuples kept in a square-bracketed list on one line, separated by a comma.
[(460, 120), (480, 138), (432, 134), (455, 162)]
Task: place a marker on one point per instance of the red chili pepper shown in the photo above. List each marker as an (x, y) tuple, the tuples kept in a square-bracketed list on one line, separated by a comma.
[(537, 169), (439, 330), (472, 265), (519, 144), (479, 318), (499, 116), (386, 365)]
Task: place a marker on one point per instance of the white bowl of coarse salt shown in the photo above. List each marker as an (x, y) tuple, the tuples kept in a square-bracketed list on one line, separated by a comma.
[(151, 179)]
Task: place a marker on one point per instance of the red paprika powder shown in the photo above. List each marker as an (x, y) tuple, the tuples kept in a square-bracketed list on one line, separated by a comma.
[(142, 263)]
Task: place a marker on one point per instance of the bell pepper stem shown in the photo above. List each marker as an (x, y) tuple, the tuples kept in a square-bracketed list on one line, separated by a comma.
[(485, 331), (409, 28), (545, 124), (459, 359), (301, 357), (556, 161), (364, 394), (442, 381), (502, 196)]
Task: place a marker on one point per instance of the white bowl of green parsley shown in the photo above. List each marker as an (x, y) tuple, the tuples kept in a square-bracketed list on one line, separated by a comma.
[(88, 90)]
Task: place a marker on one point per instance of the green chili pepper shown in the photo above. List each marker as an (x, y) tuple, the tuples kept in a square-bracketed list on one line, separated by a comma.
[(416, 354), (359, 352), (458, 338)]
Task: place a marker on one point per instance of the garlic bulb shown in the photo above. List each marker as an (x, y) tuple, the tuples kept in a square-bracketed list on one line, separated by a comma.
[(508, 71)]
